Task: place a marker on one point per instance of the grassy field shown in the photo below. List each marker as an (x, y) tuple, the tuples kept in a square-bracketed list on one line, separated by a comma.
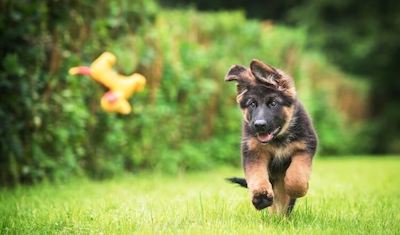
[(347, 196)]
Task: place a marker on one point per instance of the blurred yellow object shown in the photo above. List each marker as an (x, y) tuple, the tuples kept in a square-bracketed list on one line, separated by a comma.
[(115, 102), (121, 87)]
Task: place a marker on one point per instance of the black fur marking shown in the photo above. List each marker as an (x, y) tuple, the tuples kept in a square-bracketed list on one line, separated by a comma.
[(240, 181), (291, 205), (277, 168)]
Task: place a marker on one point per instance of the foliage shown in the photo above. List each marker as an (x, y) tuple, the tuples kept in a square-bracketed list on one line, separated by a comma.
[(360, 37), (47, 119), (344, 197), (185, 120)]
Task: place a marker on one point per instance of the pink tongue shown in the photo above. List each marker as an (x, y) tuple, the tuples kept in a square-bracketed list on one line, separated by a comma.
[(264, 137)]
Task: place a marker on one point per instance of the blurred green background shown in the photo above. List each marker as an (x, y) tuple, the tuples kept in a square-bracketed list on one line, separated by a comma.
[(344, 56)]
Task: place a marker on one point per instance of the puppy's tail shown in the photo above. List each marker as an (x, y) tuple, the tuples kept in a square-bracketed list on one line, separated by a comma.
[(240, 181)]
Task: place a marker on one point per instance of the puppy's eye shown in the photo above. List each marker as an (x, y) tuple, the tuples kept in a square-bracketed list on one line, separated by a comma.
[(273, 103), (252, 104)]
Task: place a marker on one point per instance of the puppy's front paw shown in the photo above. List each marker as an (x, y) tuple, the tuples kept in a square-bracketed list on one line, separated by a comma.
[(262, 200)]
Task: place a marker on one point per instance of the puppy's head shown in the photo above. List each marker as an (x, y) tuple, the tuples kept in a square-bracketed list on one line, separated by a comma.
[(265, 96)]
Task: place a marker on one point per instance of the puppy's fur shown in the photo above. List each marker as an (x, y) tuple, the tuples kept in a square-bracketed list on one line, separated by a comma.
[(278, 139)]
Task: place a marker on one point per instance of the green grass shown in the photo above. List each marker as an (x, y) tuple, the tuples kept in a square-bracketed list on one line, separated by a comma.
[(347, 196)]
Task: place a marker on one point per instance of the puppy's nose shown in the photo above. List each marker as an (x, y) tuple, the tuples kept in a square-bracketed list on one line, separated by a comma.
[(260, 125)]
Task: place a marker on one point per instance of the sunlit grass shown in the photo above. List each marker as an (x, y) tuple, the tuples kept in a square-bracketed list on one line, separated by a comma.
[(347, 196)]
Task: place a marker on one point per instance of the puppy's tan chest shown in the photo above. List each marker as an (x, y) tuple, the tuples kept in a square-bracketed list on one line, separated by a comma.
[(281, 152)]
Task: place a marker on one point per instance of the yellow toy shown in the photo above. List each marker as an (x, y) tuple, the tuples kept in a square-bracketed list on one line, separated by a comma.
[(121, 87)]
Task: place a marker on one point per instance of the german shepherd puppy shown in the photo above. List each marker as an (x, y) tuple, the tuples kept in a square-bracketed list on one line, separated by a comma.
[(278, 139)]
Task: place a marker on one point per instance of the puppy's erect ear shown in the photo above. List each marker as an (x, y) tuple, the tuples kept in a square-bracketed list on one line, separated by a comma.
[(270, 76)]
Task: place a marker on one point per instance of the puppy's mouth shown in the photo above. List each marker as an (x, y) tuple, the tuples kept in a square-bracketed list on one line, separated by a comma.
[(267, 137)]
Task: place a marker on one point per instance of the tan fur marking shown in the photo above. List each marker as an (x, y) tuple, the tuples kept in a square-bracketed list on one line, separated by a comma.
[(297, 175), (288, 112), (257, 177), (239, 97), (291, 92), (254, 145), (281, 199), (245, 114), (286, 84), (287, 151)]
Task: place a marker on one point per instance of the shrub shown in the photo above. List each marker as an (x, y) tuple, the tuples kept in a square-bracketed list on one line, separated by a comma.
[(186, 119)]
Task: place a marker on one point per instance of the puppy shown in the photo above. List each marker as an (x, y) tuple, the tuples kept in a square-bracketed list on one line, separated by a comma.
[(278, 138)]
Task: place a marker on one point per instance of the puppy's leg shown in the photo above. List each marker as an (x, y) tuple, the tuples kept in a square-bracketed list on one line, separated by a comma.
[(256, 173), (281, 198), (298, 175)]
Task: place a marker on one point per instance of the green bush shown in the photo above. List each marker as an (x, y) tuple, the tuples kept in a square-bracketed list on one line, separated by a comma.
[(186, 119), (49, 119)]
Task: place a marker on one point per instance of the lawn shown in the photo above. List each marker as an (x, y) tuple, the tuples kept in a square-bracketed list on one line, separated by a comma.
[(347, 195)]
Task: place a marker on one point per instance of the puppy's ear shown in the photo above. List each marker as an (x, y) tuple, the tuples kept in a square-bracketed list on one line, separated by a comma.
[(263, 73), (241, 75), (235, 73), (270, 76)]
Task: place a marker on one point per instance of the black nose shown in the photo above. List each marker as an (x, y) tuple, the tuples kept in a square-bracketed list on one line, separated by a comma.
[(260, 125)]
